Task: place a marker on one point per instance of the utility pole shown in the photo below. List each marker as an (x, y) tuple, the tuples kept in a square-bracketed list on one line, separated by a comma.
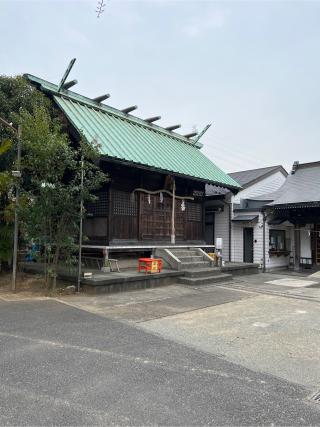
[(81, 226), (17, 174)]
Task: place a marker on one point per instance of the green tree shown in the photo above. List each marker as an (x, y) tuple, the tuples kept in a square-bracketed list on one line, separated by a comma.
[(50, 184), (51, 168), (16, 94), (6, 218)]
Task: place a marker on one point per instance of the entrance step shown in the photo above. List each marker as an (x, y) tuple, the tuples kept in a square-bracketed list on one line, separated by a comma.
[(184, 258), (184, 252), (194, 265), (206, 280), (192, 258), (202, 272)]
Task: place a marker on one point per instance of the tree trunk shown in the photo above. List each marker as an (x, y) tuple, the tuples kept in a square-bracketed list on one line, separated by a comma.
[(46, 281), (55, 267)]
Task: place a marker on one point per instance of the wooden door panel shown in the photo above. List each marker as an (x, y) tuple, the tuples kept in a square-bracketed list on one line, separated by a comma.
[(124, 216), (155, 218)]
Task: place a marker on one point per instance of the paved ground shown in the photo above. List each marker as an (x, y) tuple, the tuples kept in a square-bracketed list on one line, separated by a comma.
[(266, 333), (168, 356)]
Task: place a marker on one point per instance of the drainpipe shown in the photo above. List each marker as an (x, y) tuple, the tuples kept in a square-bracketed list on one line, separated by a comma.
[(264, 241)]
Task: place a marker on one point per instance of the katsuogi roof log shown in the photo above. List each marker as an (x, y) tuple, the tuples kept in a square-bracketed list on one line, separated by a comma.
[(152, 119), (129, 109), (127, 139), (173, 127), (101, 98)]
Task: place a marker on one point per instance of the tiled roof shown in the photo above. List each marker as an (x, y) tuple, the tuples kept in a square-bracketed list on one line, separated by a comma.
[(245, 179), (248, 177), (303, 187)]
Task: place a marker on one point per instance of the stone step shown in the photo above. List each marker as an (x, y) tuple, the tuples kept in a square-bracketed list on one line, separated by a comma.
[(207, 280), (192, 258), (193, 265), (179, 252), (201, 272)]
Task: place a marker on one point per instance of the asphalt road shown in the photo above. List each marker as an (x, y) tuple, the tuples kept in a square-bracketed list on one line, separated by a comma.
[(63, 366)]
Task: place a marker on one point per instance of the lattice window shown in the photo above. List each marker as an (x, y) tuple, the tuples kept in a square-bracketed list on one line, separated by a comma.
[(124, 203), (194, 212), (98, 208)]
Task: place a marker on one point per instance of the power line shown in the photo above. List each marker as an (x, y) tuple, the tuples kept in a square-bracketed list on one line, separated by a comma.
[(233, 154)]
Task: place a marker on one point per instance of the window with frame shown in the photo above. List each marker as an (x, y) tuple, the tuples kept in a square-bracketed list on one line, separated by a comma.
[(194, 212), (100, 206), (277, 240)]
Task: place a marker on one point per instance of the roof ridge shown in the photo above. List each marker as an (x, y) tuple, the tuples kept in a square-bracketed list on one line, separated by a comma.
[(308, 164), (256, 169), (107, 109)]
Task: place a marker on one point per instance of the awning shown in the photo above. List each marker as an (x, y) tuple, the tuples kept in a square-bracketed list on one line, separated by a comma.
[(245, 218)]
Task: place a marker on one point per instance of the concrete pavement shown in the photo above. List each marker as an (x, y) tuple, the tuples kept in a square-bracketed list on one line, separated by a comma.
[(63, 366), (165, 356), (266, 333)]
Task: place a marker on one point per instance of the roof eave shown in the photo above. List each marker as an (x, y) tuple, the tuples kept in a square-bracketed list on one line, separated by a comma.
[(299, 205), (166, 171)]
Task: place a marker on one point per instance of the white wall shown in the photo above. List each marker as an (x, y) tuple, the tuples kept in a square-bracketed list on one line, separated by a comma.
[(221, 229), (237, 242), (258, 241), (267, 185), (305, 242), (272, 262), (237, 239)]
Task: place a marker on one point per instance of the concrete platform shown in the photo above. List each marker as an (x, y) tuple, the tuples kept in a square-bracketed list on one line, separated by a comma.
[(101, 282), (127, 280), (240, 268), (130, 279)]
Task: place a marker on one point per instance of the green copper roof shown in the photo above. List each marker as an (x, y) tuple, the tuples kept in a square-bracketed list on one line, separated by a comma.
[(127, 138)]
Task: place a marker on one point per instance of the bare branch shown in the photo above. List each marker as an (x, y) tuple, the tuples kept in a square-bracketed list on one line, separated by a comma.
[(100, 8)]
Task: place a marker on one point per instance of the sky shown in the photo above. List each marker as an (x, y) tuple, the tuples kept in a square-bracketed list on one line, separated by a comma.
[(252, 68)]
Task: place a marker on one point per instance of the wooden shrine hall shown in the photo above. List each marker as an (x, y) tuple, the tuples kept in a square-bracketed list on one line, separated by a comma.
[(156, 189)]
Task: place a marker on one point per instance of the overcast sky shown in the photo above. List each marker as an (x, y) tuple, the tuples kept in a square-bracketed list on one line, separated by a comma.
[(250, 68)]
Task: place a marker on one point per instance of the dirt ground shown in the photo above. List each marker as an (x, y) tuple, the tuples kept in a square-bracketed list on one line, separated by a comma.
[(28, 285)]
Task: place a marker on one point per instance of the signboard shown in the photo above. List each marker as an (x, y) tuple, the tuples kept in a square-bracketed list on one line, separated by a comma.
[(219, 243)]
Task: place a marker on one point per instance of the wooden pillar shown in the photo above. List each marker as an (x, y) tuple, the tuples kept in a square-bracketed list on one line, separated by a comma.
[(297, 244), (173, 229), (110, 215)]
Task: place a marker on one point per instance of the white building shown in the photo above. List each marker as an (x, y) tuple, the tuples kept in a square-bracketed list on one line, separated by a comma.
[(239, 222), (273, 221), (297, 204)]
